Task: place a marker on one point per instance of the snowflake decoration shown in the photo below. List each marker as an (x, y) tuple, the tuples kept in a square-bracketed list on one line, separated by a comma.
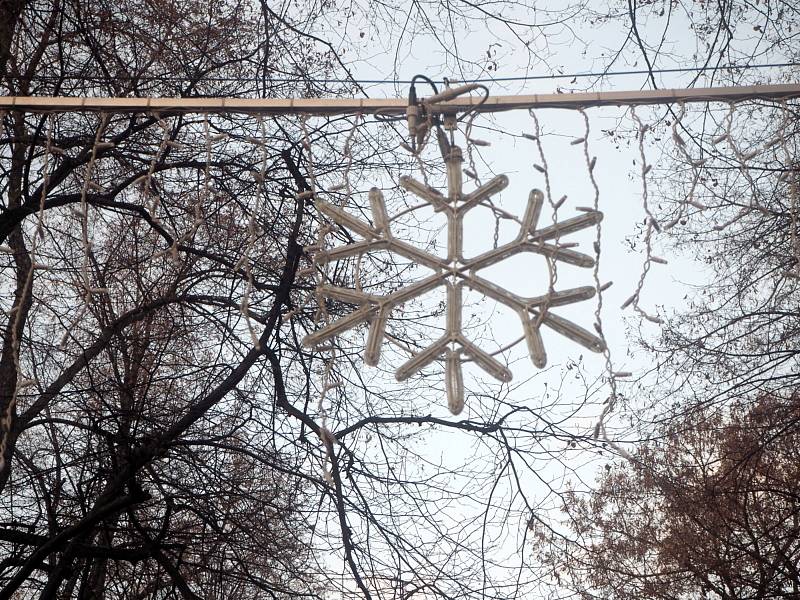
[(454, 272)]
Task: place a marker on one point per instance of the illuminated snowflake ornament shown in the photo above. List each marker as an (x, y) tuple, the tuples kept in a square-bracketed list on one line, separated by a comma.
[(454, 272)]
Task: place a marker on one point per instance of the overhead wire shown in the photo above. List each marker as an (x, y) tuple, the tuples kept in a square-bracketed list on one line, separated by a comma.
[(519, 78)]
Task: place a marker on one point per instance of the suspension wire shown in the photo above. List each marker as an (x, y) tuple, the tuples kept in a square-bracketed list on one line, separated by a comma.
[(358, 81)]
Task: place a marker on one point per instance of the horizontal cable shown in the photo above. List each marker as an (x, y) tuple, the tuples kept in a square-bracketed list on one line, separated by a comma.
[(270, 79)]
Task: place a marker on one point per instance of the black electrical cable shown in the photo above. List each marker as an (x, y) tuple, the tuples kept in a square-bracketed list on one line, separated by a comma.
[(475, 108), (424, 78)]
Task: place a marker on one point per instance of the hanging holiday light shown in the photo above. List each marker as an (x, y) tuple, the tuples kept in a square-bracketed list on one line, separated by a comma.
[(454, 272)]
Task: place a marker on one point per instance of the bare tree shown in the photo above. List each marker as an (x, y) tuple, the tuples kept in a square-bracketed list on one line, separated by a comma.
[(137, 446), (699, 506), (160, 423), (161, 419)]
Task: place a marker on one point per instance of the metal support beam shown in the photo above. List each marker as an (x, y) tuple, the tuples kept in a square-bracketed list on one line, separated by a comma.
[(389, 106)]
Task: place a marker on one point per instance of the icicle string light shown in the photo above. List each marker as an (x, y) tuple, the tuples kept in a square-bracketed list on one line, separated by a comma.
[(650, 226), (472, 173), (321, 279), (312, 270), (86, 245), (741, 158), (694, 165), (22, 382), (198, 218), (322, 313), (245, 263), (147, 180), (552, 265), (790, 161), (600, 288)]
